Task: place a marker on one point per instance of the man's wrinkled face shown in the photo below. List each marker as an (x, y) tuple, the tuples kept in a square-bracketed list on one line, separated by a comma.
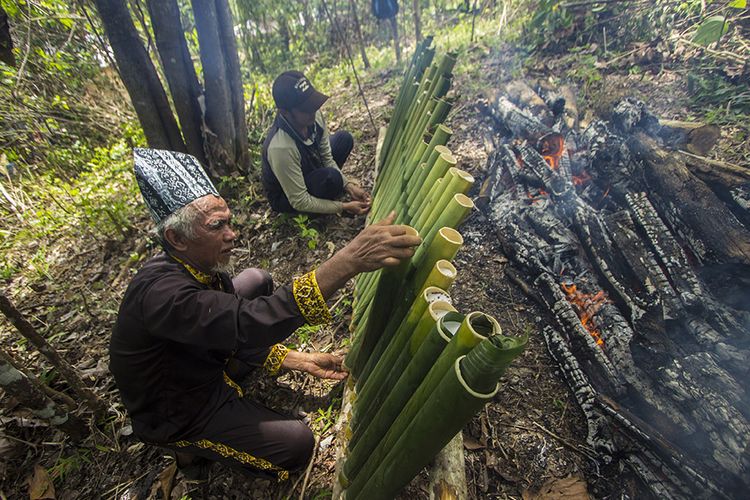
[(211, 249)]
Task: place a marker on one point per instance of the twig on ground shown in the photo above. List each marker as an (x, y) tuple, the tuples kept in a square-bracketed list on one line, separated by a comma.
[(309, 469)]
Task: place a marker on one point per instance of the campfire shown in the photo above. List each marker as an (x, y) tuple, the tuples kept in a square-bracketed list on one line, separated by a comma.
[(641, 254)]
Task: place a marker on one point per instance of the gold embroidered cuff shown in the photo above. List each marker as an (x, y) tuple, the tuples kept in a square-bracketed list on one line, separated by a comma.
[(310, 301), (275, 358), (231, 383)]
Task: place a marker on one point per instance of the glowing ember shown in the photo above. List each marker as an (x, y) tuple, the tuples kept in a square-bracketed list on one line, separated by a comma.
[(541, 193), (580, 180), (587, 305), (552, 147)]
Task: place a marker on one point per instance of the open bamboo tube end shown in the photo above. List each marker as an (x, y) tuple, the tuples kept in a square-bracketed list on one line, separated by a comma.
[(463, 201), (446, 269), (443, 150), (483, 324), (451, 236), (463, 175)]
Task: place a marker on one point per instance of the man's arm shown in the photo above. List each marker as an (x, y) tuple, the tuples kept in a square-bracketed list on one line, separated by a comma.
[(325, 146)]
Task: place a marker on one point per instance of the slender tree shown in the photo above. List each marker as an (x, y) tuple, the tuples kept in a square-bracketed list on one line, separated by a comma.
[(358, 32), (179, 71), (139, 76), (417, 21), (219, 59)]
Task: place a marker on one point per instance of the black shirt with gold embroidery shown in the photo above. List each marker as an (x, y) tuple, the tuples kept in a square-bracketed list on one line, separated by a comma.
[(174, 334)]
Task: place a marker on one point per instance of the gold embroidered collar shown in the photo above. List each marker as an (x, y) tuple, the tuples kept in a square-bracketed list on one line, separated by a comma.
[(200, 276)]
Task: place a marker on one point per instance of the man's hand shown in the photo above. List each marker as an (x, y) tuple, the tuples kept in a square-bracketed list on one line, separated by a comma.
[(378, 245), (356, 207), (318, 364), (357, 193)]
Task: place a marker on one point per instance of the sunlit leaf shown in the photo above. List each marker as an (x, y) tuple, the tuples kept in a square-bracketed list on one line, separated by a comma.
[(738, 4), (67, 22), (711, 30)]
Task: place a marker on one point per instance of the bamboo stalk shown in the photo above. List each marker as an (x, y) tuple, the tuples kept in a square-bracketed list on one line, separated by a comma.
[(469, 383), (436, 331), (389, 284), (453, 215), (441, 276), (381, 435)]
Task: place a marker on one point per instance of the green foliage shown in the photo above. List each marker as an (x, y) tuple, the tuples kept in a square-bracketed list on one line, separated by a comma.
[(725, 101), (67, 465), (325, 418), (310, 234), (304, 333), (711, 30)]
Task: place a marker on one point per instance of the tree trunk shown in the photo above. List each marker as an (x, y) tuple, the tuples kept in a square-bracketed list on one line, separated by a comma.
[(234, 77), (6, 42), (140, 78), (417, 22), (68, 372), (28, 392), (180, 72), (394, 31), (220, 133), (358, 31)]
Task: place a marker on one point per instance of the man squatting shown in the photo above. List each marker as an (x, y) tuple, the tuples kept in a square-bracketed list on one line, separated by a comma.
[(184, 325), (301, 165)]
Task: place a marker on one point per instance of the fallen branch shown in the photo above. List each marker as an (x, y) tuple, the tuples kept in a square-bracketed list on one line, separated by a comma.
[(66, 370)]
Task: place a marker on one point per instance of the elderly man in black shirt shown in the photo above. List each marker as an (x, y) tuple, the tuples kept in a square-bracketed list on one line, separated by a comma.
[(183, 319)]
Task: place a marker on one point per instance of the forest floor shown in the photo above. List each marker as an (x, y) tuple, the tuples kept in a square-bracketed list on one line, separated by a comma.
[(529, 440)]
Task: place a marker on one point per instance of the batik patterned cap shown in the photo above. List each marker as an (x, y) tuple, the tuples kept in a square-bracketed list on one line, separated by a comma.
[(169, 180)]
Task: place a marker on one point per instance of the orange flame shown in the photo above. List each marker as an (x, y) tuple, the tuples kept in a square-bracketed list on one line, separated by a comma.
[(552, 147), (587, 305)]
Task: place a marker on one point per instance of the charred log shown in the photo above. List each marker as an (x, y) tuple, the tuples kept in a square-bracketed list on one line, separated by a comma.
[(524, 96), (694, 202)]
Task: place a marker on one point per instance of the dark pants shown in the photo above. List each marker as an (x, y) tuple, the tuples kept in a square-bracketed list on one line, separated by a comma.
[(243, 433), (325, 182)]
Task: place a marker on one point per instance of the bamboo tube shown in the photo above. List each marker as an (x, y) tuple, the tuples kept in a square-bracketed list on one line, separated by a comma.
[(389, 284), (370, 397), (445, 245), (384, 411), (422, 59), (471, 381), (458, 181), (453, 215), (442, 162), (385, 428), (441, 276)]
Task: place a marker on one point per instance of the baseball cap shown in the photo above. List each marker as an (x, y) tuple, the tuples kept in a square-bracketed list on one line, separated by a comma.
[(292, 90)]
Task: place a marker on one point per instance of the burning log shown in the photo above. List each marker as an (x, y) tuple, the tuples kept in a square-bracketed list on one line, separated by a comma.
[(570, 110), (525, 97), (516, 121), (694, 202)]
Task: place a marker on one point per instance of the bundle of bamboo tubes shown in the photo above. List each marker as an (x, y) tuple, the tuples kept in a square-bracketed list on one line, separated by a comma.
[(419, 368)]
